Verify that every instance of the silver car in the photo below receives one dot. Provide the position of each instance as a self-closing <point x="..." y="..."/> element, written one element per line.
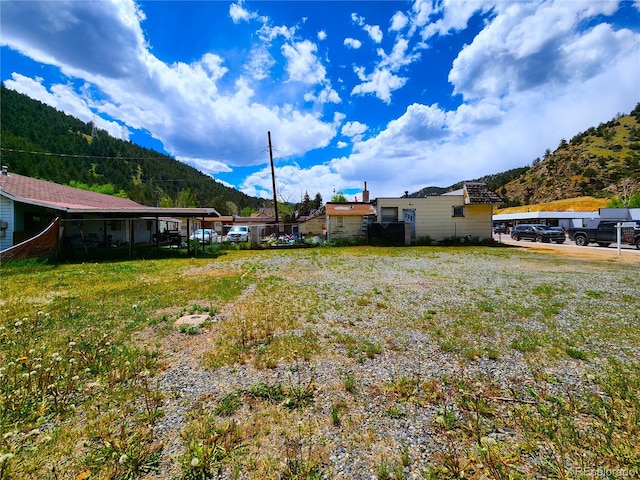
<point x="205" y="235"/>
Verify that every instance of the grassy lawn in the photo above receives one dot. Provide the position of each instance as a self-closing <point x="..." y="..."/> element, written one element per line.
<point x="425" y="362"/>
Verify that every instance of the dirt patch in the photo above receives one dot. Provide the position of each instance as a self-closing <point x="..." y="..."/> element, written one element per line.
<point x="628" y="255"/>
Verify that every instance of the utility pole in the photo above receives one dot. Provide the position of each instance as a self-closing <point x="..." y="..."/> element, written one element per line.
<point x="273" y="180"/>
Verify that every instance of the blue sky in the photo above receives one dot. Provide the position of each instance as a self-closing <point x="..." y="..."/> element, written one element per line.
<point x="401" y="95"/>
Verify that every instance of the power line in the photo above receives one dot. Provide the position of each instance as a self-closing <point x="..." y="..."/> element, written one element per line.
<point x="75" y="155"/>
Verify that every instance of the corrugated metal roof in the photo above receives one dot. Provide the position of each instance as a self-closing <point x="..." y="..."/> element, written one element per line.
<point x="350" y="208"/>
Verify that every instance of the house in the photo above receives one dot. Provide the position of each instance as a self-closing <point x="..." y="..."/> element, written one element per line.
<point x="86" y="219"/>
<point x="314" y="224"/>
<point x="348" y="220"/>
<point x="464" y="213"/>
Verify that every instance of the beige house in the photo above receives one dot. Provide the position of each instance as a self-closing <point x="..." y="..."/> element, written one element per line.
<point x="348" y="221"/>
<point x="313" y="225"/>
<point x="464" y="213"/>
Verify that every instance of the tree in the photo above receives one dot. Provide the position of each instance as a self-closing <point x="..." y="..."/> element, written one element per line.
<point x="220" y="204"/>
<point x="232" y="208"/>
<point x="246" y="212"/>
<point x="305" y="207"/>
<point x="339" y="198"/>
<point x="317" y="201"/>
<point x="165" y="201"/>
<point x="186" y="199"/>
<point x="627" y="189"/>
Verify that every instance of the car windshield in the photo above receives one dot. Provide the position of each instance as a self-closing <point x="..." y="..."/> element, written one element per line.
<point x="238" y="229"/>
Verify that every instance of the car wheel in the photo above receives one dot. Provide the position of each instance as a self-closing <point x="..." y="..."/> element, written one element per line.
<point x="516" y="238"/>
<point x="638" y="243"/>
<point x="539" y="239"/>
<point x="581" y="241"/>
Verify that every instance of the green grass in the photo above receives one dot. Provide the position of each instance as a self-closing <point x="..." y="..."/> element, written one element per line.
<point x="83" y="346"/>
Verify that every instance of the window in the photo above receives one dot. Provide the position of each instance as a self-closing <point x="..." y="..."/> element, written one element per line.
<point x="457" y="211"/>
<point x="340" y="221"/>
<point x="389" y="214"/>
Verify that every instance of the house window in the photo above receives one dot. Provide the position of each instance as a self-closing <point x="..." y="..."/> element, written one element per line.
<point x="340" y="221"/>
<point x="457" y="211"/>
<point x="389" y="214"/>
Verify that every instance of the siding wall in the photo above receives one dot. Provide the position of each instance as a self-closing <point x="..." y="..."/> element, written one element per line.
<point x="7" y="215"/>
<point x="434" y="216"/>
<point x="351" y="228"/>
<point x="312" y="227"/>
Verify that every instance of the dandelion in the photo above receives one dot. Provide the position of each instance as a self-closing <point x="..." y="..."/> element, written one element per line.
<point x="25" y="375"/>
<point x="31" y="351"/>
<point x="195" y="461"/>
<point x="123" y="459"/>
<point x="72" y="344"/>
<point x="488" y="441"/>
<point x="17" y="324"/>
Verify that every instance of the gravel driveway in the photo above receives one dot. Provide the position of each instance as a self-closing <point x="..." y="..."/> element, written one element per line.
<point x="422" y="358"/>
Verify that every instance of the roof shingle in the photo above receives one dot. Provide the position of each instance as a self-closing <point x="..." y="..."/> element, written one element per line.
<point x="58" y="196"/>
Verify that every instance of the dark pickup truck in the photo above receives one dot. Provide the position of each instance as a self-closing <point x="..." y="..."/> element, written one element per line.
<point x="605" y="234"/>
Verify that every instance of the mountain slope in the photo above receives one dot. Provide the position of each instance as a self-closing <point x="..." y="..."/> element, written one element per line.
<point x="602" y="162"/>
<point x="41" y="142"/>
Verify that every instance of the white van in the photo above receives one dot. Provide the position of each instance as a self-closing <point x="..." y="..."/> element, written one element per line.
<point x="239" y="233"/>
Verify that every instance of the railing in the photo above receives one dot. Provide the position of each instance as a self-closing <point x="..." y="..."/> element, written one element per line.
<point x="42" y="245"/>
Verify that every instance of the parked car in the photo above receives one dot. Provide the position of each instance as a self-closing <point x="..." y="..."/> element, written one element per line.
<point x="500" y="228"/>
<point x="238" y="233"/>
<point x="538" y="233"/>
<point x="205" y="235"/>
<point x="606" y="233"/>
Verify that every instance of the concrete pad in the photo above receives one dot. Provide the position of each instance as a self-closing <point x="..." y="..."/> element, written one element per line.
<point x="193" y="320"/>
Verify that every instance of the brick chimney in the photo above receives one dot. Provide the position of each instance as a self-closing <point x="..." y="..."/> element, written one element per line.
<point x="365" y="194"/>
